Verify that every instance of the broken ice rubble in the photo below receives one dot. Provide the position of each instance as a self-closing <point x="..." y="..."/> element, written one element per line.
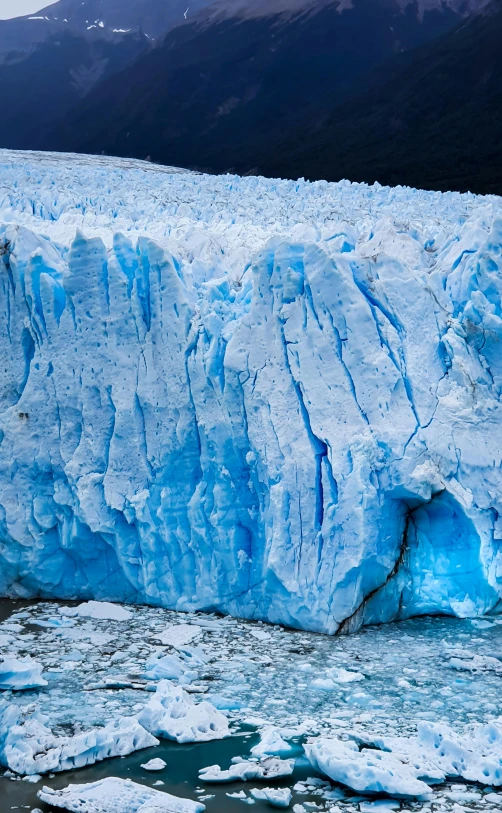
<point x="28" y="747"/>
<point x="171" y="713"/>
<point x="114" y="795"/>
<point x="20" y="673"/>
<point x="274" y="398"/>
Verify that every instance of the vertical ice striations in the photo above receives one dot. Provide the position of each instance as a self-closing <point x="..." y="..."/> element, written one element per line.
<point x="306" y="431"/>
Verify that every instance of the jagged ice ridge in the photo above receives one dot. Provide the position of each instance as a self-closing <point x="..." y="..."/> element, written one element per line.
<point x="275" y="399"/>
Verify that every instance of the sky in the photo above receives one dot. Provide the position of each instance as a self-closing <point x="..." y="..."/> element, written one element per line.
<point x="16" y="8"/>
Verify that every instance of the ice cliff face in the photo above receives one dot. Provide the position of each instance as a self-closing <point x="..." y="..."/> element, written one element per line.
<point x="279" y="400"/>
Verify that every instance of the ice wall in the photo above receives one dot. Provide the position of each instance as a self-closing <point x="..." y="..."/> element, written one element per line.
<point x="286" y="405"/>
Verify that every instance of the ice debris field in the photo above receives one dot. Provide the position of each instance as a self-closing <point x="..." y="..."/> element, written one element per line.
<point x="274" y="400"/>
<point x="404" y="716"/>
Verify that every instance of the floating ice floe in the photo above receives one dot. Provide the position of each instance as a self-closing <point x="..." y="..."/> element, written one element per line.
<point x="260" y="634"/>
<point x="405" y="767"/>
<point x="475" y="756"/>
<point x="246" y="769"/>
<point x="21" y="673"/>
<point x="172" y="714"/>
<point x="277" y="797"/>
<point x="335" y="677"/>
<point x="469" y="662"/>
<point x="179" y="635"/>
<point x="271" y="744"/>
<point x="28" y="747"/>
<point x="100" y="610"/>
<point x="366" y="771"/>
<point x="113" y="795"/>
<point x="156" y="764"/>
<point x="165" y="667"/>
<point x="344" y="675"/>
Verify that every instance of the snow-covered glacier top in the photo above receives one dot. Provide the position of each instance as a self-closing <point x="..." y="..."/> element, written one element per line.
<point x="271" y="398"/>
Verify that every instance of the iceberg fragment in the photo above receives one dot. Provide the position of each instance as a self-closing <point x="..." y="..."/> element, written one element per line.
<point x="156" y="764"/>
<point x="277" y="797"/>
<point x="112" y="795"/>
<point x="101" y="610"/>
<point x="244" y="770"/>
<point x="271" y="744"/>
<point x="404" y="767"/>
<point x="28" y="747"/>
<point x="366" y="771"/>
<point x="172" y="714"/>
<point x="21" y="673"/>
<point x="165" y="667"/>
<point x="475" y="756"/>
<point x="179" y="635"/>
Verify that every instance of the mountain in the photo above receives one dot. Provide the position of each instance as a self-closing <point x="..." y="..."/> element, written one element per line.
<point x="107" y="18"/>
<point x="50" y="60"/>
<point x="432" y="118"/>
<point x="41" y="88"/>
<point x="221" y="91"/>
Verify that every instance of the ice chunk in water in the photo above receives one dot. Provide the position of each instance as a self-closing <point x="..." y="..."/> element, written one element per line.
<point x="21" y="673"/>
<point x="179" y="635"/>
<point x="366" y="771"/>
<point x="100" y="610"/>
<point x="168" y="667"/>
<point x="113" y="795"/>
<point x="154" y="765"/>
<point x="31" y="748"/>
<point x="407" y="763"/>
<point x="172" y="714"/>
<point x="243" y="770"/>
<point x="475" y="756"/>
<point x="271" y="744"/>
<point x="277" y="797"/>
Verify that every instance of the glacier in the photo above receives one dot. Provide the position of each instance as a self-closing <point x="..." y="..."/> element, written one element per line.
<point x="272" y="399"/>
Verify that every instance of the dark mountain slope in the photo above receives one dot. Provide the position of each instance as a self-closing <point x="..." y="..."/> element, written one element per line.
<point x="221" y="92"/>
<point x="153" y="17"/>
<point x="432" y="119"/>
<point x="43" y="87"/>
<point x="107" y="19"/>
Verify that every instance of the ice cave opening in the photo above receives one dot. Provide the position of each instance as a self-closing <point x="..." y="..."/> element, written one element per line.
<point x="441" y="569"/>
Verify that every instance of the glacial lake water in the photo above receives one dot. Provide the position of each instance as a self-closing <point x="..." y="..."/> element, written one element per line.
<point x="261" y="674"/>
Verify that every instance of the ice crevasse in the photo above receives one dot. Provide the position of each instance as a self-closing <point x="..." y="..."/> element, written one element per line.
<point x="273" y="399"/>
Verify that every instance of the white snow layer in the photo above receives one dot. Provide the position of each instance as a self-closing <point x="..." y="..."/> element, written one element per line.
<point x="113" y="795"/>
<point x="276" y="399"/>
<point x="28" y="747"/>
<point x="172" y="714"/>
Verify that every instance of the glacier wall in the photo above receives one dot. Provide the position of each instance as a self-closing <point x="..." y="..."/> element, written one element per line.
<point x="272" y="399"/>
